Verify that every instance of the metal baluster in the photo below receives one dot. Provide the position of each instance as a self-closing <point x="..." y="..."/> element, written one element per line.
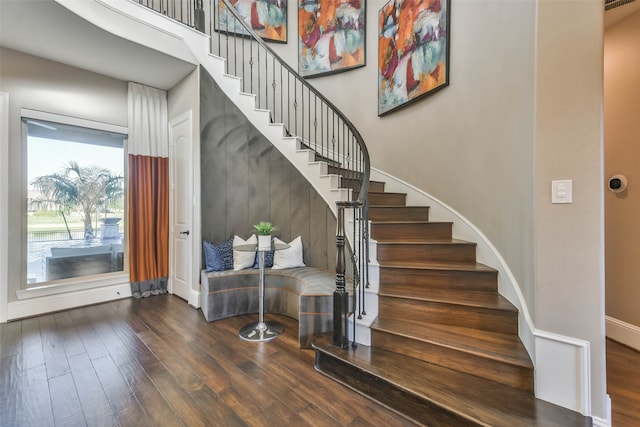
<point x="281" y="96"/>
<point x="258" y="77"/>
<point x="315" y="123"/>
<point x="251" y="67"/>
<point x="322" y="104"/>
<point x="273" y="62"/>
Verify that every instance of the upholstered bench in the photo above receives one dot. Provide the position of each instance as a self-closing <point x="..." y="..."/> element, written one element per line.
<point x="303" y="293"/>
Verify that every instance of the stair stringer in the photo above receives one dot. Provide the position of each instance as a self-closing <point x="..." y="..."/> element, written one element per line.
<point x="139" y="24"/>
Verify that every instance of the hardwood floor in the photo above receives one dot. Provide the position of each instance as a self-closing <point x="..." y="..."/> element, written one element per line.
<point x="157" y="362"/>
<point x="623" y="384"/>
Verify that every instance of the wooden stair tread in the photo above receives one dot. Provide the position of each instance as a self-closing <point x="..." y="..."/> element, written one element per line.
<point x="384" y="192"/>
<point x="392" y="222"/>
<point x="505" y="348"/>
<point x="445" y="266"/>
<point x="468" y="298"/>
<point x="475" y="400"/>
<point x="397" y="206"/>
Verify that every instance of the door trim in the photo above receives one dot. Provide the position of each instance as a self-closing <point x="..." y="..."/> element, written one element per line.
<point x="193" y="291"/>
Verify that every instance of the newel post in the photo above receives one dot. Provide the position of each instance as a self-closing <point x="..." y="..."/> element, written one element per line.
<point x="340" y="295"/>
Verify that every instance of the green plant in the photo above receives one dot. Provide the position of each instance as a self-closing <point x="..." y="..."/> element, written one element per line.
<point x="264" y="228"/>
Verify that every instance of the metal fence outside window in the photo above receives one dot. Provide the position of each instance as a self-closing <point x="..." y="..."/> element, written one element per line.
<point x="56" y="235"/>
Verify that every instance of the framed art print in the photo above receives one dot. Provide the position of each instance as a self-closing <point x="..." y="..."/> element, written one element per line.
<point x="413" y="51"/>
<point x="268" y="18"/>
<point x="331" y="36"/>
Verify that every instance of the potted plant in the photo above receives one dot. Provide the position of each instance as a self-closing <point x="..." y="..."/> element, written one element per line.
<point x="264" y="230"/>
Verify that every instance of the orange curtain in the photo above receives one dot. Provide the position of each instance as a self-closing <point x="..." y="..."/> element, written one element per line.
<point x="148" y="224"/>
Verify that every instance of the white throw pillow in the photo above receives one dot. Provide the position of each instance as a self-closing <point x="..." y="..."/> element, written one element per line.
<point x="288" y="258"/>
<point x="243" y="259"/>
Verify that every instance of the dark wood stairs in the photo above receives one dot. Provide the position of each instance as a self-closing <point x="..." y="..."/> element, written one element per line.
<point x="444" y="348"/>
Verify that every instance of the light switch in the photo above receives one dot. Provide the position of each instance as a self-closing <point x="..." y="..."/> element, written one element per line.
<point x="561" y="191"/>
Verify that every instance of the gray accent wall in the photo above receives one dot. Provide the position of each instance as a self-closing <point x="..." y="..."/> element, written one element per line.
<point x="245" y="179"/>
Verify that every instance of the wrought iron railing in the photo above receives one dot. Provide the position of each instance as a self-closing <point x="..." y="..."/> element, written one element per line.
<point x="306" y="114"/>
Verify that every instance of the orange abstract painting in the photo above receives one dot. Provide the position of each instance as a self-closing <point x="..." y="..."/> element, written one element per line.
<point x="413" y="51"/>
<point x="268" y="18"/>
<point x="331" y="36"/>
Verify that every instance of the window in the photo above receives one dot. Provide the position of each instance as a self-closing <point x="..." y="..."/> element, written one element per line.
<point x="75" y="201"/>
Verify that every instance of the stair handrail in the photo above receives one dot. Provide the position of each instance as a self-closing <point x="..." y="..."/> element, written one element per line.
<point x="345" y="149"/>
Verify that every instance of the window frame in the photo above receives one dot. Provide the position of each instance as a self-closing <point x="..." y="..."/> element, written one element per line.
<point x="77" y="283"/>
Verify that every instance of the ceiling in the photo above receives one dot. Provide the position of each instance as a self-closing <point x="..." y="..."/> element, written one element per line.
<point x="45" y="29"/>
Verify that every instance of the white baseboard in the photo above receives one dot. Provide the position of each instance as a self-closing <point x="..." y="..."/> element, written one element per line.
<point x="51" y="303"/>
<point x="601" y="422"/>
<point x="194" y="299"/>
<point x="622" y="332"/>
<point x="563" y="371"/>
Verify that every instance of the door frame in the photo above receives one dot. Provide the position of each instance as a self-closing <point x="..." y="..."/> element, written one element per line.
<point x="194" y="294"/>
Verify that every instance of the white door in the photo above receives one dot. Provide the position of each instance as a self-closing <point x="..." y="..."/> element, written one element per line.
<point x="181" y="204"/>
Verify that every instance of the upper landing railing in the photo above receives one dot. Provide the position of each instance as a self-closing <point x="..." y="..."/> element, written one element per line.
<point x="306" y="114"/>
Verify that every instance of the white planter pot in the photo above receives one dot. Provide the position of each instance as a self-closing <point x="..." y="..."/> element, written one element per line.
<point x="264" y="242"/>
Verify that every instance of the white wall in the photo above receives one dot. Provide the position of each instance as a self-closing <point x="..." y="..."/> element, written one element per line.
<point x="569" y="257"/>
<point x="43" y="85"/>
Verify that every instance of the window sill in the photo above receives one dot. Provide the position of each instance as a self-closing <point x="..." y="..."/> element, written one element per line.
<point x="72" y="285"/>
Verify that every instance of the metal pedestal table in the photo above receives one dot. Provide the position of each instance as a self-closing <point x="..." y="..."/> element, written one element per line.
<point x="261" y="330"/>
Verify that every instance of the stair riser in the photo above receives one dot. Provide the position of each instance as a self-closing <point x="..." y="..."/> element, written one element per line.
<point x="421" y="411"/>
<point x="502" y="372"/>
<point x="426" y="252"/>
<point x="385" y="199"/>
<point x="355" y="185"/>
<point x="349" y="174"/>
<point x="406" y="213"/>
<point x="411" y="231"/>
<point x="411" y="281"/>
<point x="450" y="314"/>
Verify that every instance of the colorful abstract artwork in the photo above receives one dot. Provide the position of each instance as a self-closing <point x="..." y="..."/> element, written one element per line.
<point x="331" y="36"/>
<point x="268" y="18"/>
<point x="413" y="51"/>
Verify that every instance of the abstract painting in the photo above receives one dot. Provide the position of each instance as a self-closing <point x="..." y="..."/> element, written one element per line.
<point x="331" y="36"/>
<point x="413" y="51"/>
<point x="268" y="18"/>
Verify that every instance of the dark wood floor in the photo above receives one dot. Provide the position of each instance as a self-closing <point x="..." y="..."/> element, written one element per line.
<point x="623" y="384"/>
<point x="156" y="362"/>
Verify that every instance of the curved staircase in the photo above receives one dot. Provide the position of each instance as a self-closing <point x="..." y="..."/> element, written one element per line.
<point x="444" y="347"/>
